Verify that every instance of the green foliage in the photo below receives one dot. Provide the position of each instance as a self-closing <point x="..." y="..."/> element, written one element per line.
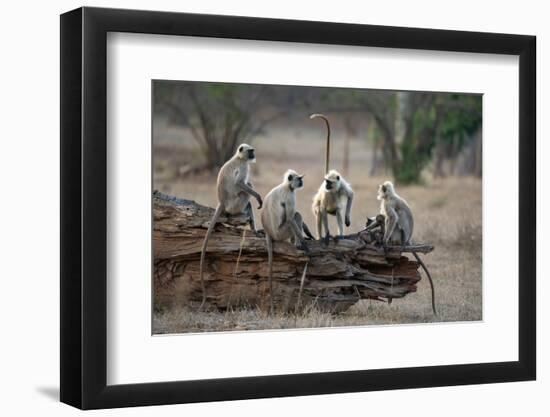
<point x="461" y="120"/>
<point x="429" y="119"/>
<point x="416" y="147"/>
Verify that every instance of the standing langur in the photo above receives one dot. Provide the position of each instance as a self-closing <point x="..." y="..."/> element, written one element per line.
<point x="399" y="224"/>
<point x="334" y="197"/>
<point x="234" y="191"/>
<point x="281" y="221"/>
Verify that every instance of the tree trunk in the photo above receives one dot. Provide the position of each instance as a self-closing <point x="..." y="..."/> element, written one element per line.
<point x="337" y="276"/>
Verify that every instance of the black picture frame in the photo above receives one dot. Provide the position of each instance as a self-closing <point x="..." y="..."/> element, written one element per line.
<point x="84" y="207"/>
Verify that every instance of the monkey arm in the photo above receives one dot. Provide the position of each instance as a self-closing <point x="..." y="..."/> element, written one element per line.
<point x="391" y="222"/>
<point x="249" y="190"/>
<point x="349" y="194"/>
<point x="283" y="221"/>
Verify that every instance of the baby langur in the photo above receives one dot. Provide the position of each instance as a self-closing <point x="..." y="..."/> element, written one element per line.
<point x="234" y="191"/>
<point x="281" y="221"/>
<point x="376" y="229"/>
<point x="399" y="221"/>
<point x="334" y="197"/>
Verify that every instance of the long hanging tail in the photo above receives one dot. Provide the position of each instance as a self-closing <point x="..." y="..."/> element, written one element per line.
<point x="213" y="222"/>
<point x="240" y="253"/>
<point x="430" y="278"/>
<point x="299" y="301"/>
<point x="269" y="245"/>
<point x="327" y="155"/>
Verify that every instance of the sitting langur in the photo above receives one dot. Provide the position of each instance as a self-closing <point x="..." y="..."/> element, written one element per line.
<point x="281" y="221"/>
<point x="399" y="221"/>
<point x="399" y="224"/>
<point x="234" y="191"/>
<point x="334" y="196"/>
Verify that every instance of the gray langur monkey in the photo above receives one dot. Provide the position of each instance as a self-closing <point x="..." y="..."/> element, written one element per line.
<point x="334" y="194"/>
<point x="281" y="221"/>
<point x="399" y="224"/>
<point x="234" y="191"/>
<point x="334" y="197"/>
<point x="376" y="228"/>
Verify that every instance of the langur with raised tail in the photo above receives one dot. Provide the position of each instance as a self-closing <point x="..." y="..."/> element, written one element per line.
<point x="335" y="196"/>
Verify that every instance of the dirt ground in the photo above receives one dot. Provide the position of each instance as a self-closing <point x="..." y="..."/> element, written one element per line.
<point x="448" y="214"/>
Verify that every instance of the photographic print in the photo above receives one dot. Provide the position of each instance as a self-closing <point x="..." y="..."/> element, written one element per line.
<point x="281" y="207"/>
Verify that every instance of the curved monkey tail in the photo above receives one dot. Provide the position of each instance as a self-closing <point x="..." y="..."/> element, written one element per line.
<point x="213" y="222"/>
<point x="269" y="246"/>
<point x="430" y="278"/>
<point x="327" y="156"/>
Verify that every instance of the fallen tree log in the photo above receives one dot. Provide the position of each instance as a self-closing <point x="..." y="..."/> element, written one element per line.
<point x="338" y="275"/>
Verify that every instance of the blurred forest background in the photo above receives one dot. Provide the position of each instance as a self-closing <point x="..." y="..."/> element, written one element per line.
<point x="407" y="132"/>
<point x="429" y="144"/>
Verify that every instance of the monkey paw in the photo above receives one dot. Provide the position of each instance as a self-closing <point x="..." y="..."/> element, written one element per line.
<point x="326" y="240"/>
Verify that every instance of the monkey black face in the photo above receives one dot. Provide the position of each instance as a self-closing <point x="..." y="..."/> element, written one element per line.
<point x="251" y="155"/>
<point x="332" y="181"/>
<point x="294" y="180"/>
<point x="246" y="152"/>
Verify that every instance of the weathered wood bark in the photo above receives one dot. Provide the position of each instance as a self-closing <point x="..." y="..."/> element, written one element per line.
<point x="337" y="275"/>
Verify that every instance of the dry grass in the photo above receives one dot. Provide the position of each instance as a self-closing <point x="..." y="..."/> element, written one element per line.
<point x="448" y="214"/>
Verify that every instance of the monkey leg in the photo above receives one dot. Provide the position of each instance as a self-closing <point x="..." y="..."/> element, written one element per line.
<point x="324" y="216"/>
<point x="340" y="222"/>
<point x="215" y="218"/>
<point x="269" y="245"/>
<point x="250" y="213"/>
<point x="297" y="229"/>
<point x="303" y="226"/>
<point x="299" y="221"/>
<point x="319" y="225"/>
